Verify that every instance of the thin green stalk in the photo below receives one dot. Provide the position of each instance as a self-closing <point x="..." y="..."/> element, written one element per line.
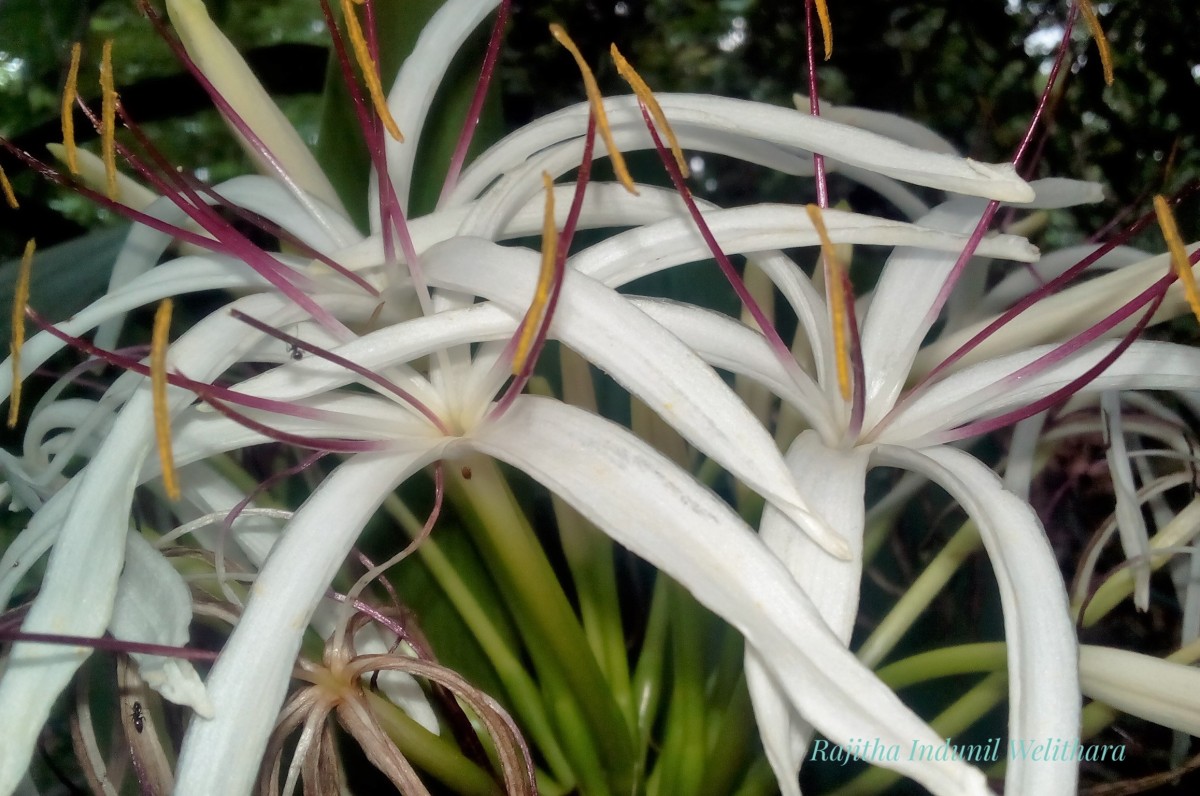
<point x="946" y="662"/>
<point x="965" y="711"/>
<point x="682" y="760"/>
<point x="650" y="671"/>
<point x="589" y="555"/>
<point x="430" y="752"/>
<point x="522" y="691"/>
<point x="547" y="623"/>
<point x="920" y="594"/>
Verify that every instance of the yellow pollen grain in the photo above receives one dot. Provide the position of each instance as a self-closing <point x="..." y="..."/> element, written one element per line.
<point x="108" y="120"/>
<point x="158" y="387"/>
<point x="837" y="300"/>
<point x="826" y="27"/>
<point x="20" y="300"/>
<point x="70" y="91"/>
<point x="362" y="54"/>
<point x="1093" y="24"/>
<point x="597" y="103"/>
<point x="6" y="187"/>
<point x="643" y="92"/>
<point x="541" y="293"/>
<point x="1179" y="255"/>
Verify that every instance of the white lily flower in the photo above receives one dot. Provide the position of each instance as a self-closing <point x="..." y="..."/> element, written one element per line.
<point x="453" y="410"/>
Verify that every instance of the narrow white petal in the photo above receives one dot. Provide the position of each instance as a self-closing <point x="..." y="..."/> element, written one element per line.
<point x="1151" y="688"/>
<point x="154" y="606"/>
<point x="248" y="683"/>
<point x="412" y="93"/>
<point x="224" y="67"/>
<point x="607" y="330"/>
<point x="669" y="519"/>
<point x="985" y="389"/>
<point x="1042" y="649"/>
<point x="765" y="227"/>
<point x="836" y="479"/>
<point x="1131" y="524"/>
<point x="900" y="315"/>
<point x="1065" y="314"/>
<point x="759" y="121"/>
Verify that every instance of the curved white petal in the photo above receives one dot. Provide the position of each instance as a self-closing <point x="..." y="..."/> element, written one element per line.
<point x="1158" y="690"/>
<point x="646" y="359"/>
<point x="223" y="754"/>
<point x="1064" y="314"/>
<point x="651" y="248"/>
<point x="224" y="67"/>
<point x="901" y="307"/>
<point x="154" y="606"/>
<point x="988" y="388"/>
<point x="759" y="121"/>
<point x="836" y="479"/>
<point x="412" y="93"/>
<point x="669" y="519"/>
<point x="1042" y="649"/>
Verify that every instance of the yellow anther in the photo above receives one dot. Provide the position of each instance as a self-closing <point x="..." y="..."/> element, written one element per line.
<point x="826" y="27"/>
<point x="70" y="91"/>
<point x="158" y="387"/>
<point x="20" y="300"/>
<point x="1179" y="255"/>
<point x="370" y="70"/>
<point x="108" y="120"/>
<point x="835" y="285"/>
<point x="643" y="92"/>
<point x="597" y="103"/>
<point x="7" y="189"/>
<point x="541" y="293"/>
<point x="1093" y="24"/>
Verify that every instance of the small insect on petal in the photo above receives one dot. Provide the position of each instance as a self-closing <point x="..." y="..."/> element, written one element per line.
<point x="20" y="299"/>
<point x="139" y="718"/>
<point x="158" y="385"/>
<point x="1179" y="255"/>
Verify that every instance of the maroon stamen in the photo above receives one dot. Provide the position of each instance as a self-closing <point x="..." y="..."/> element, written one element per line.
<point x="108" y="644"/>
<point x="475" y="110"/>
<point x="814" y="107"/>
<point x="350" y="365"/>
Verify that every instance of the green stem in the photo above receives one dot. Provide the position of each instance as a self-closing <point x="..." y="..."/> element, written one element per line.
<point x="431" y="753"/>
<point x="522" y="691"/>
<point x="965" y="711"/>
<point x="547" y="623"/>
<point x="920" y="594"/>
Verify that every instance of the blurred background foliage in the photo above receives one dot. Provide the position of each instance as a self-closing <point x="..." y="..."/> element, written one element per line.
<point x="971" y="71"/>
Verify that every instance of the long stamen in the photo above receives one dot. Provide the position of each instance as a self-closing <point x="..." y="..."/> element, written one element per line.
<point x="476" y="108"/>
<point x="1093" y="24"/>
<point x="1179" y="255"/>
<point x="108" y="117"/>
<point x="541" y="293"/>
<point x="826" y="27"/>
<point x="158" y="385"/>
<point x="20" y="299"/>
<point x="838" y="300"/>
<point x="6" y="188"/>
<point x="70" y="91"/>
<point x="597" y="103"/>
<point x="646" y="96"/>
<point x="370" y="70"/>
